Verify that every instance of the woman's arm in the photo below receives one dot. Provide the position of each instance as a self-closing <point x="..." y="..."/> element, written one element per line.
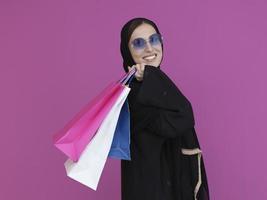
<point x="170" y="113"/>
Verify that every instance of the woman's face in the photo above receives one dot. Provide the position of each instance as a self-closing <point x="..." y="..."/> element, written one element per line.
<point x="150" y="54"/>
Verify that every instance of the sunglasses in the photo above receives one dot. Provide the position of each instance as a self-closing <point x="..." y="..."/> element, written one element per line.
<point x="140" y="43"/>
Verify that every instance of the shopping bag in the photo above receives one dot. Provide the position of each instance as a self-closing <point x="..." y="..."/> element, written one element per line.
<point x="120" y="148"/>
<point x="90" y="165"/>
<point x="74" y="137"/>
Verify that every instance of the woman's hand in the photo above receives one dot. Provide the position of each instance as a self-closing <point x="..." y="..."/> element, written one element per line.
<point x="139" y="71"/>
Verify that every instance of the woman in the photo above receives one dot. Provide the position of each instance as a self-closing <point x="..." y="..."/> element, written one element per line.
<point x="166" y="162"/>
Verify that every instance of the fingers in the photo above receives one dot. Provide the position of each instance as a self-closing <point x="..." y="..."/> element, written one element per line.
<point x="142" y="66"/>
<point x="139" y="71"/>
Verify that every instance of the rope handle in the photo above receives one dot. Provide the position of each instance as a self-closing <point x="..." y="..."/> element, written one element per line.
<point x="127" y="78"/>
<point x="194" y="152"/>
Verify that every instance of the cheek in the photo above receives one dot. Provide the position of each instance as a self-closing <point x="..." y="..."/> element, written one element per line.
<point x="134" y="56"/>
<point x="137" y="57"/>
<point x="159" y="59"/>
<point x="158" y="49"/>
<point x="160" y="53"/>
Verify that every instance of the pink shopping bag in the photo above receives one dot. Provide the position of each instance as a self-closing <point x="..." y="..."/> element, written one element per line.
<point x="91" y="163"/>
<point x="76" y="134"/>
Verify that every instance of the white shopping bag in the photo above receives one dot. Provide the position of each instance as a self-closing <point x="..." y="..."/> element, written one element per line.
<point x="90" y="165"/>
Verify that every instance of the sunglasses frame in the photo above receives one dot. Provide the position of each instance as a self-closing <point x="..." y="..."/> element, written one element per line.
<point x="146" y="41"/>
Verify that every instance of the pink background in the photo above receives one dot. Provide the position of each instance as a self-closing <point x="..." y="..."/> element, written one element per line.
<point x="56" y="55"/>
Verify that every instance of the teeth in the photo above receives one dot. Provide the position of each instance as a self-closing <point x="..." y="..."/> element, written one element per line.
<point x="150" y="57"/>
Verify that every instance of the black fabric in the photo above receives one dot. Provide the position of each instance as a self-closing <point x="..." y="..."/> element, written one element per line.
<point x="162" y="123"/>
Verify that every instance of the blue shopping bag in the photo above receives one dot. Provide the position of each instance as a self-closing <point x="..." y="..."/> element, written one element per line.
<point x="120" y="147"/>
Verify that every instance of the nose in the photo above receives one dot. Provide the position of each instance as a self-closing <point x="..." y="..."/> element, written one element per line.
<point x="148" y="47"/>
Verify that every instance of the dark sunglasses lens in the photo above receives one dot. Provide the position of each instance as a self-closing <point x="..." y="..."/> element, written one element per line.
<point x="155" y="39"/>
<point x="139" y="43"/>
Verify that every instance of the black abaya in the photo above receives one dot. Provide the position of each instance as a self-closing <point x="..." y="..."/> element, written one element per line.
<point x="162" y="125"/>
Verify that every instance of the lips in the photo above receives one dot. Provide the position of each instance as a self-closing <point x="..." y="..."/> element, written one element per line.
<point x="150" y="57"/>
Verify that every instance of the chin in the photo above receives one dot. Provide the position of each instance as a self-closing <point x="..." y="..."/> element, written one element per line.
<point x="154" y="64"/>
<point x="151" y="64"/>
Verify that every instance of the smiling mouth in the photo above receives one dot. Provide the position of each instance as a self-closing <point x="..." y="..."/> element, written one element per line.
<point x="150" y="57"/>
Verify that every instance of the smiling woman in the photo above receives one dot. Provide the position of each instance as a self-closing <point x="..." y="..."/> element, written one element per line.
<point x="166" y="160"/>
<point x="147" y="50"/>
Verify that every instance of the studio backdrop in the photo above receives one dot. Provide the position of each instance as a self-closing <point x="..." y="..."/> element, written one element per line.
<point x="56" y="55"/>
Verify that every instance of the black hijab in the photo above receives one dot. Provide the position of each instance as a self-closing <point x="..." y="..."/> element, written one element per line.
<point x="126" y="33"/>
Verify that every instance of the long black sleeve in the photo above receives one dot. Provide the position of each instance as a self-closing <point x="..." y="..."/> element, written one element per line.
<point x="163" y="107"/>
